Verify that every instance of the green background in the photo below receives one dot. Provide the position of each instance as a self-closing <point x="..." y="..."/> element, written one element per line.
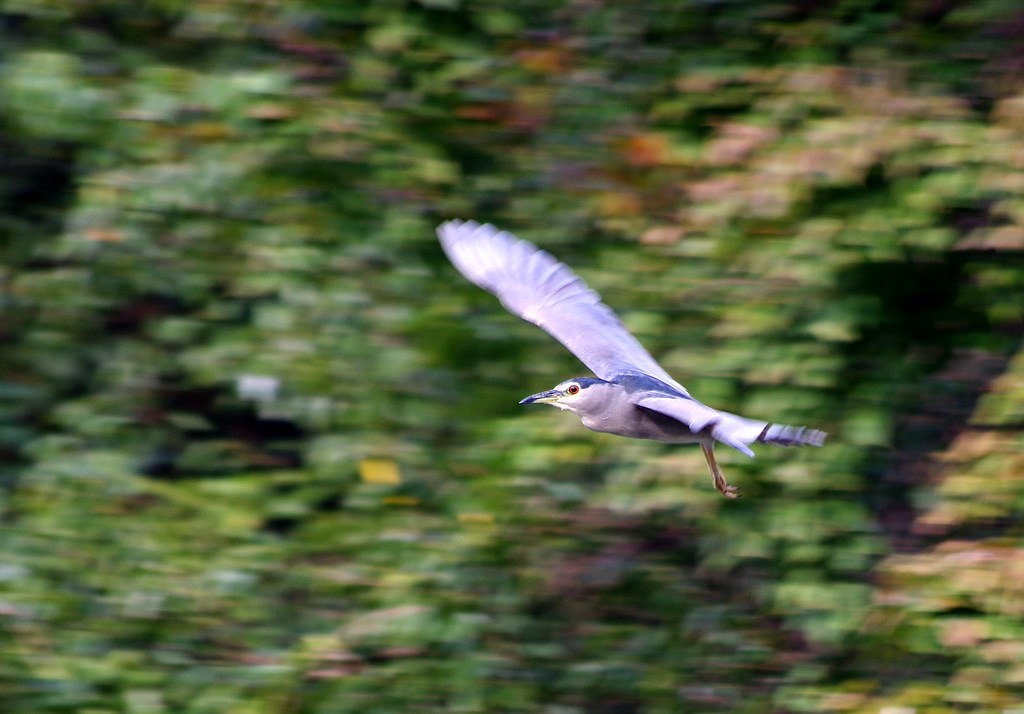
<point x="259" y="443"/>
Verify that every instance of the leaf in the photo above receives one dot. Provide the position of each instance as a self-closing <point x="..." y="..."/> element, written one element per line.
<point x="379" y="471"/>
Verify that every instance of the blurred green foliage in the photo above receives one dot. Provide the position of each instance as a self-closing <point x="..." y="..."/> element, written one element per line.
<point x="259" y="443"/>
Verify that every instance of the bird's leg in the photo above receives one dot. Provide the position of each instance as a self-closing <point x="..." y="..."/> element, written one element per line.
<point x="716" y="474"/>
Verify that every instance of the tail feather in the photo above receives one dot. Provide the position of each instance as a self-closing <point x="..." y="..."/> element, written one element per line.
<point x="785" y="435"/>
<point x="730" y="429"/>
<point x="737" y="432"/>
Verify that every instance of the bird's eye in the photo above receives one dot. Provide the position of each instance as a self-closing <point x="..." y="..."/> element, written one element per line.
<point x="573" y="389"/>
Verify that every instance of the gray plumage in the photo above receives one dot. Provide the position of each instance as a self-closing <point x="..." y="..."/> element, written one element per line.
<point x="632" y="395"/>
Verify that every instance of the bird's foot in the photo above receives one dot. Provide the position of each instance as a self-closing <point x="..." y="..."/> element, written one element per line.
<point x="716" y="473"/>
<point x="726" y="490"/>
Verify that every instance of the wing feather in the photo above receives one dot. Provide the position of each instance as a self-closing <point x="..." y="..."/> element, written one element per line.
<point x="535" y="286"/>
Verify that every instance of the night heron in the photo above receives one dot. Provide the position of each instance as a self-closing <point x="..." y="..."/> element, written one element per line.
<point x="632" y="394"/>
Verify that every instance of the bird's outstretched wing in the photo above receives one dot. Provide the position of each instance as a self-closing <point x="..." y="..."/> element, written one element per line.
<point x="532" y="284"/>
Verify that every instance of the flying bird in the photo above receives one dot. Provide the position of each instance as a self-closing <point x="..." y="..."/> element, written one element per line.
<point x="631" y="394"/>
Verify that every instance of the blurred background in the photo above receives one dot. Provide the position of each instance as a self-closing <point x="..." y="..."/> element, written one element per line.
<point x="260" y="448"/>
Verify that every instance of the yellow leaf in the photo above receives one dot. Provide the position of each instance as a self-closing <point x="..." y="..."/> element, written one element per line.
<point x="382" y="471"/>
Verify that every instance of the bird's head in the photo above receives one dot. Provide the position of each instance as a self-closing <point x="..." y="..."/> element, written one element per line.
<point x="570" y="395"/>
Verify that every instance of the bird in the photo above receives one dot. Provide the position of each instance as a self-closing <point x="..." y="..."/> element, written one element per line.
<point x="631" y="394"/>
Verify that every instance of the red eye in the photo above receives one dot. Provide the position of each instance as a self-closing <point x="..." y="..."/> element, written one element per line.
<point x="573" y="389"/>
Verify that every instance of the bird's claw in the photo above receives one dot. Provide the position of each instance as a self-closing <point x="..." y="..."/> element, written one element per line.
<point x="727" y="490"/>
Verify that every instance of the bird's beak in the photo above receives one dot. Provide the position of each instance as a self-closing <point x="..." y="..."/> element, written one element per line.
<point x="546" y="397"/>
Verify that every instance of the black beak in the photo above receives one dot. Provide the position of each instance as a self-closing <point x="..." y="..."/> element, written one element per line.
<point x="547" y="396"/>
